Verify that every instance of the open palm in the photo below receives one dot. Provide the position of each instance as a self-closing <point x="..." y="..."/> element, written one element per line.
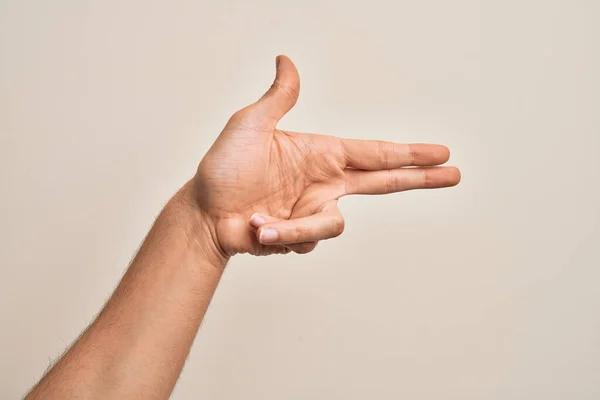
<point x="271" y="191"/>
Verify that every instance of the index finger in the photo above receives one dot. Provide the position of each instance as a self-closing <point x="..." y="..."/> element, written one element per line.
<point x="376" y="155"/>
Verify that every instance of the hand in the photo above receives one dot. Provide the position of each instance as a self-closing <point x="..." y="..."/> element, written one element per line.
<point x="269" y="191"/>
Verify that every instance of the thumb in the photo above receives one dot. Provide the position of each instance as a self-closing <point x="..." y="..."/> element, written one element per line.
<point x="283" y="93"/>
<point x="258" y="220"/>
<point x="326" y="224"/>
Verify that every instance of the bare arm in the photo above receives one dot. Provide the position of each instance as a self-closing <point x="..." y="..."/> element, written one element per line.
<point x="137" y="346"/>
<point x="258" y="190"/>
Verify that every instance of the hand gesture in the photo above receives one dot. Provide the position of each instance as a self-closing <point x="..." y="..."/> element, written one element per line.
<point x="266" y="190"/>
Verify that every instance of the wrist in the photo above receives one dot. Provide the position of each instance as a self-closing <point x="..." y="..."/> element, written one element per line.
<point x="199" y="227"/>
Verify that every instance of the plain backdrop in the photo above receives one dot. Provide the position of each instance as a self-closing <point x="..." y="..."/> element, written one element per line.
<point x="489" y="290"/>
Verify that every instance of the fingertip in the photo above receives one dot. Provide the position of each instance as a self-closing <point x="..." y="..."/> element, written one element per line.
<point x="454" y="176"/>
<point x="282" y="58"/>
<point x="268" y="236"/>
<point x="444" y="153"/>
<point x="257" y="220"/>
<point x="283" y="93"/>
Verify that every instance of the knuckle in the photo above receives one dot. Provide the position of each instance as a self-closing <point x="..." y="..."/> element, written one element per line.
<point x="390" y="182"/>
<point x="383" y="149"/>
<point x="301" y="233"/>
<point x="394" y="182"/>
<point x="411" y="154"/>
<point x="288" y="91"/>
<point x="337" y="226"/>
<point x="304" y="248"/>
<point x="426" y="179"/>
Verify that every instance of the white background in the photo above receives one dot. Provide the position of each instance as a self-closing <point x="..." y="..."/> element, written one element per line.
<point x="489" y="290"/>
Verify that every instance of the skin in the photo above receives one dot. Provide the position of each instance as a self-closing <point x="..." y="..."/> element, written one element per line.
<point x="258" y="190"/>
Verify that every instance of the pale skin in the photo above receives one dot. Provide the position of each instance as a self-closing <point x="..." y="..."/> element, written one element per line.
<point x="258" y="190"/>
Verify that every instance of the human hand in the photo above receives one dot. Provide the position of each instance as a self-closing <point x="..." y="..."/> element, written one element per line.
<point x="266" y="190"/>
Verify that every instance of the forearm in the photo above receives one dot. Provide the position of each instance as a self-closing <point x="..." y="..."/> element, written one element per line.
<point x="137" y="346"/>
<point x="269" y="191"/>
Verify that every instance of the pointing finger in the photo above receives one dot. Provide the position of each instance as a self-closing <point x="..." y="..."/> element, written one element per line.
<point x="398" y="180"/>
<point x="377" y="155"/>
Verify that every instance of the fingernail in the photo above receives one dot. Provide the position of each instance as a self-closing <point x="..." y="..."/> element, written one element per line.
<point x="256" y="220"/>
<point x="268" y="236"/>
